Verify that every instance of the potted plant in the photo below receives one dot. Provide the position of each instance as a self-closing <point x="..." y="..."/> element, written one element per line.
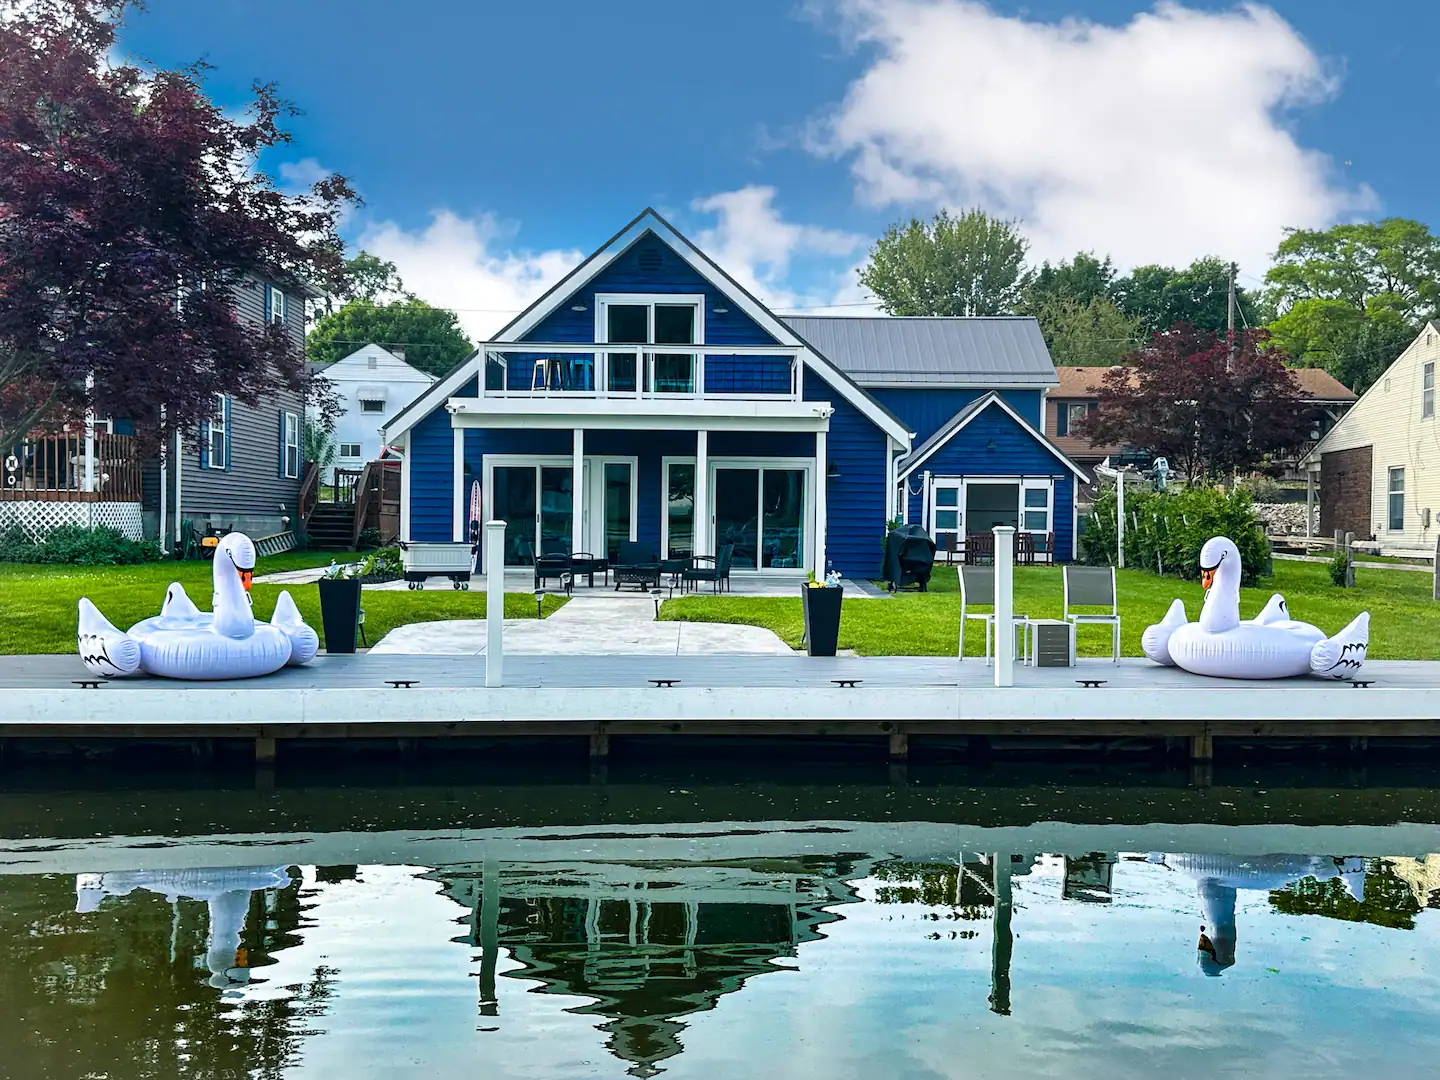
<point x="339" y="609"/>
<point x="820" y="601"/>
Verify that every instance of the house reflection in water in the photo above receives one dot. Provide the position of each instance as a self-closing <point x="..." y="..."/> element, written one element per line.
<point x="648" y="943"/>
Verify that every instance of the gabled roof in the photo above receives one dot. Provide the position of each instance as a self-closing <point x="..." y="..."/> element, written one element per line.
<point x="985" y="351"/>
<point x="952" y="427"/>
<point x="1313" y="384"/>
<point x="1319" y="385"/>
<point x="650" y="222"/>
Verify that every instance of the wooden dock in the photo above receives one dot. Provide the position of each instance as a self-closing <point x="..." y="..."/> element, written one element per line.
<point x="890" y="700"/>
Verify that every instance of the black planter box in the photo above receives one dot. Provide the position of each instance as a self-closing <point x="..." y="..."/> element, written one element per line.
<point x="822" y="619"/>
<point x="340" y="613"/>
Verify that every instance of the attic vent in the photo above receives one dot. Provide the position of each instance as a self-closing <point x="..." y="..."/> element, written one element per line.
<point x="650" y="260"/>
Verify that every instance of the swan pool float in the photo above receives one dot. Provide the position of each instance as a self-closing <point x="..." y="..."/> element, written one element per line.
<point x="183" y="642"/>
<point x="225" y="890"/>
<point x="1270" y="646"/>
<point x="1219" y="877"/>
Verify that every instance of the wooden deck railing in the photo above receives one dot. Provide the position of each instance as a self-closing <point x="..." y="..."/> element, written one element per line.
<point x="309" y="490"/>
<point x="377" y="500"/>
<point x="52" y="468"/>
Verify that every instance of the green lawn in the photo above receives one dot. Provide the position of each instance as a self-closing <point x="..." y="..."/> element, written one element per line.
<point x="1405" y="622"/>
<point x="38" y="603"/>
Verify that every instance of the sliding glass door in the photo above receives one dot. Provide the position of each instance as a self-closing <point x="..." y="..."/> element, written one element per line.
<point x="513" y="501"/>
<point x="761" y="511"/>
<point x="537" y="504"/>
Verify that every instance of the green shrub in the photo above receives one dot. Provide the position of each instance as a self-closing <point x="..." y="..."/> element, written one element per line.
<point x="368" y="538"/>
<point x="1338" y="566"/>
<point x="1165" y="530"/>
<point x="76" y="545"/>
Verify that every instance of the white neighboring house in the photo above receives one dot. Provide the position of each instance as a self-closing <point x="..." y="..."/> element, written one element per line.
<point x="1379" y="467"/>
<point x="373" y="384"/>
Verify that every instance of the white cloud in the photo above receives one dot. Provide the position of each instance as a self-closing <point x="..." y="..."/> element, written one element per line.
<point x="758" y="247"/>
<point x="1157" y="141"/>
<point x="461" y="263"/>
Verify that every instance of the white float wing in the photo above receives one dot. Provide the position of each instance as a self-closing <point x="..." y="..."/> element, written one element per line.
<point x="104" y="650"/>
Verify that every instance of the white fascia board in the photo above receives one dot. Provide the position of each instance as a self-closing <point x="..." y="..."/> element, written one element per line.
<point x="909" y="467"/>
<point x="641" y="414"/>
<point x="438" y="392"/>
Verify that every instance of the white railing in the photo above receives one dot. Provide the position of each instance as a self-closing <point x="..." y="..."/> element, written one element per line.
<point x="661" y="372"/>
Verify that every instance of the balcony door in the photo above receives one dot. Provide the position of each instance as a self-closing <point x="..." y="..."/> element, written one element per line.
<point x="647" y="321"/>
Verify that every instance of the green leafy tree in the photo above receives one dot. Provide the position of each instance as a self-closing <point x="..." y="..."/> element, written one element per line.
<point x="369" y="277"/>
<point x="430" y="337"/>
<point x="970" y="264"/>
<point x="1351" y="297"/>
<point x="1088" y="333"/>
<point x="1080" y="281"/>
<point x="1161" y="296"/>
<point x="317" y="444"/>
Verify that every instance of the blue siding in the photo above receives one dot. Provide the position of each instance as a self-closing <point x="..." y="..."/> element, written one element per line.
<point x="926" y="411"/>
<point x="993" y="444"/>
<point x="855" y="525"/>
<point x="432" y="476"/>
<point x="747" y="374"/>
<point x="649" y="266"/>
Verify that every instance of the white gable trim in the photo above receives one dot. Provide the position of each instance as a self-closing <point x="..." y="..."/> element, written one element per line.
<point x="907" y="466"/>
<point x="698" y="261"/>
<point x="1346" y="422"/>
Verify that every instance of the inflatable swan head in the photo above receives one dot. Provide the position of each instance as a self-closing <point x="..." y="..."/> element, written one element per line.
<point x="1220" y="564"/>
<point x="240" y="550"/>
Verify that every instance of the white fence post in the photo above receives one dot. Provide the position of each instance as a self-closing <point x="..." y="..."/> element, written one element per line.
<point x="1004" y="605"/>
<point x="494" y="603"/>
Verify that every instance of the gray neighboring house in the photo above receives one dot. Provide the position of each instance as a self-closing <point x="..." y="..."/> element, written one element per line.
<point x="243" y="468"/>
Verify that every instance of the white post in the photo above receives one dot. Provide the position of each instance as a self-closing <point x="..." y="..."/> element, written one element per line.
<point x="1004" y="605"/>
<point x="577" y="494"/>
<point x="702" y="493"/>
<point x="494" y="602"/>
<point x="164" y="495"/>
<point x="821" y="504"/>
<point x="179" y="476"/>
<point x="1120" y="519"/>
<point x="1309" y="503"/>
<point x="89" y="451"/>
<point x="405" y="490"/>
<point x="925" y="496"/>
<point x="458" y="468"/>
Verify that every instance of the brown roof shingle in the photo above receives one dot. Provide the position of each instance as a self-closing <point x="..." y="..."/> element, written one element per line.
<point x="1314" y="383"/>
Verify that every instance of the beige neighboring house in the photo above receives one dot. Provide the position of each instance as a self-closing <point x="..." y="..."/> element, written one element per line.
<point x="1378" y="469"/>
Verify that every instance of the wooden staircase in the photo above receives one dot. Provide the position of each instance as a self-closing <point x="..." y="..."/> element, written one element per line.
<point x="331" y="527"/>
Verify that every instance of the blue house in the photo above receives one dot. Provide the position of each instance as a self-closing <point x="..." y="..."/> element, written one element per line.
<point x="648" y="383"/>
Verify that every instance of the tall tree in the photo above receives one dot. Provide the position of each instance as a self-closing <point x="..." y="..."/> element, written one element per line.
<point x="1080" y="280"/>
<point x="369" y="277"/>
<point x="130" y="208"/>
<point x="1182" y="398"/>
<point x="971" y="264"/>
<point x="1161" y="296"/>
<point x="430" y="337"/>
<point x="1088" y="333"/>
<point x="1351" y="297"/>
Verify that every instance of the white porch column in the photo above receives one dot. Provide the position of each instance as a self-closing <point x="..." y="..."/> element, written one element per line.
<point x="889" y="479"/>
<point x="701" y="543"/>
<point x="1309" y="503"/>
<point x="404" y="490"/>
<point x="577" y="494"/>
<point x="821" y="512"/>
<point x="458" y="465"/>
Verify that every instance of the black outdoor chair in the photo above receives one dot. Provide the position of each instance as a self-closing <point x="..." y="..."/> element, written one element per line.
<point x="717" y="572"/>
<point x="637" y="564"/>
<point x="557" y="567"/>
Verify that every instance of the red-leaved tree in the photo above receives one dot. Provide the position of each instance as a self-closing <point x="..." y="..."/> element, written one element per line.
<point x="132" y="211"/>
<point x="1183" y="397"/>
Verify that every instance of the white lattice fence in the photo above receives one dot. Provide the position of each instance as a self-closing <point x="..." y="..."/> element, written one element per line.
<point x="38" y="517"/>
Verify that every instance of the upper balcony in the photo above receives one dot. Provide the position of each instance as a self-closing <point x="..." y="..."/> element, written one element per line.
<point x="674" y="373"/>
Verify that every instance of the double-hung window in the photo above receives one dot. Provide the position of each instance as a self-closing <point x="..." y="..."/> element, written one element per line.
<point x="1069" y="414"/>
<point x="215" y="447"/>
<point x="1427" y="391"/>
<point x="651" y="321"/>
<point x="290" y="444"/>
<point x="349" y="449"/>
<point x="275" y="305"/>
<point x="1397" y="499"/>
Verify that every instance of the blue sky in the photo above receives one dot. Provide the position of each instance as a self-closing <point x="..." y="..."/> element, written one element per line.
<point x="494" y="144"/>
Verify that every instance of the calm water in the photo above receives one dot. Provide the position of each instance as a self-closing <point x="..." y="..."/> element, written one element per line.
<point x="715" y="930"/>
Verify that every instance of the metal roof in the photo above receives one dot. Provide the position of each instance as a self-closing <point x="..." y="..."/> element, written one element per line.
<point x="984" y="351"/>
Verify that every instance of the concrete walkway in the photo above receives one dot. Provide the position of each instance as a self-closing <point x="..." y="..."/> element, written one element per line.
<point x="591" y="624"/>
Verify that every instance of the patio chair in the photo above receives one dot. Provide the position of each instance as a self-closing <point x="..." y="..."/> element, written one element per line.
<point x="717" y="572"/>
<point x="950" y="546"/>
<point x="637" y="564"/>
<point x="558" y="567"/>
<point x="977" y="589"/>
<point x="1042" y="547"/>
<point x="979" y="548"/>
<point x="1093" y="587"/>
<point x="583" y="562"/>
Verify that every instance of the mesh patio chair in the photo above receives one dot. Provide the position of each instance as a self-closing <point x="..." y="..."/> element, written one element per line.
<point x="977" y="589"/>
<point x="1093" y="587"/>
<point x="712" y="568"/>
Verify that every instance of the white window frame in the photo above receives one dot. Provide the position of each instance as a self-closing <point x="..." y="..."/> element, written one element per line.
<point x="1427" y="390"/>
<point x="594" y="465"/>
<point x="948" y="483"/>
<point x="290" y="445"/>
<point x="359" y="451"/>
<point x="1047" y="484"/>
<point x="665" y="464"/>
<point x="279" y="305"/>
<point x="603" y="303"/>
<point x="795" y="464"/>
<point x="219" y="462"/>
<point x="963" y="483"/>
<point x="372" y="401"/>
<point x="1390" y="492"/>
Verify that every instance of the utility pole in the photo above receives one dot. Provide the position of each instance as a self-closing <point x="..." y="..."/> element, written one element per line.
<point x="1230" y="321"/>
